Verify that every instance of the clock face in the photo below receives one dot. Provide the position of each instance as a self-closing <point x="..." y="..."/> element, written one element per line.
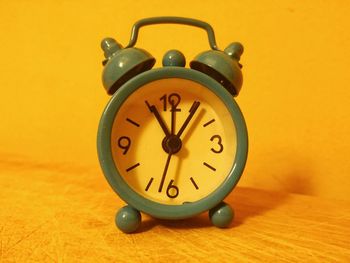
<point x="173" y="141"/>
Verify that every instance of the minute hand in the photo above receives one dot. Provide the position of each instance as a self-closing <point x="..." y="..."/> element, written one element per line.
<point x="192" y="111"/>
<point x="154" y="110"/>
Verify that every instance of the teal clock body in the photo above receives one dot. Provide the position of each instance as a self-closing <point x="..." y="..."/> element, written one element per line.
<point x="172" y="142"/>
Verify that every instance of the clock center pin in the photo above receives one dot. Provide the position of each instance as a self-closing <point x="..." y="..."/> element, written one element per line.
<point x="172" y="144"/>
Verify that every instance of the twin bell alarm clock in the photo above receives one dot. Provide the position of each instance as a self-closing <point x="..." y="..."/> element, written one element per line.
<point x="172" y="142"/>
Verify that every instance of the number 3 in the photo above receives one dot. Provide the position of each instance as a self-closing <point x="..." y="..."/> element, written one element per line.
<point x="219" y="142"/>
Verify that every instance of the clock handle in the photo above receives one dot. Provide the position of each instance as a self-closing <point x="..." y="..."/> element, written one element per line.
<point x="172" y="20"/>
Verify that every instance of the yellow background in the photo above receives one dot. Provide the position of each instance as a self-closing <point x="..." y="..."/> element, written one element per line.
<point x="295" y="95"/>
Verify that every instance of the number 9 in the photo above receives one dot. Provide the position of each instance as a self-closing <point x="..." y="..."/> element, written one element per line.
<point x="124" y="143"/>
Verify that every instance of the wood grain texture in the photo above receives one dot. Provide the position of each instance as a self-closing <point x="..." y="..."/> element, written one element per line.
<point x="63" y="213"/>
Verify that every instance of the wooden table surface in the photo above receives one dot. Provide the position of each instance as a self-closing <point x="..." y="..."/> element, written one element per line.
<point x="64" y="213"/>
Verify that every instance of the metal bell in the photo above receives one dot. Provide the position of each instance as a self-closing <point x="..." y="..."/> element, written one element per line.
<point x="122" y="64"/>
<point x="223" y="66"/>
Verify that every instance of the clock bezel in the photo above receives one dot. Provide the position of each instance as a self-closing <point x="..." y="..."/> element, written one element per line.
<point x="117" y="182"/>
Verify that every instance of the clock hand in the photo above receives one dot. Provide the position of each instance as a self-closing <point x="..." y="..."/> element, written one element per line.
<point x="154" y="110"/>
<point x="174" y="143"/>
<point x="173" y="112"/>
<point x="165" y="171"/>
<point x="192" y="111"/>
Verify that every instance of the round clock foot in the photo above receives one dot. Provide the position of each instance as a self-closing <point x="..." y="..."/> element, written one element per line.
<point x="221" y="215"/>
<point x="128" y="219"/>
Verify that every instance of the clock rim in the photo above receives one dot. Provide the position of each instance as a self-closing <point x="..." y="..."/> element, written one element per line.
<point x="117" y="182"/>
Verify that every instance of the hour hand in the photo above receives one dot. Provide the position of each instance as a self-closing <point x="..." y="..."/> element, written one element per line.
<point x="154" y="110"/>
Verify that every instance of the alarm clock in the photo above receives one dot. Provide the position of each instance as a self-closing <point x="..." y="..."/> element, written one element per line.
<point x="172" y="142"/>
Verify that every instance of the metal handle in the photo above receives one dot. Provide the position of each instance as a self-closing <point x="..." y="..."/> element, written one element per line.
<point x="172" y="20"/>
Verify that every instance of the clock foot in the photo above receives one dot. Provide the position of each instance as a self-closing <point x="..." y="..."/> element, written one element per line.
<point x="221" y="215"/>
<point x="128" y="219"/>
